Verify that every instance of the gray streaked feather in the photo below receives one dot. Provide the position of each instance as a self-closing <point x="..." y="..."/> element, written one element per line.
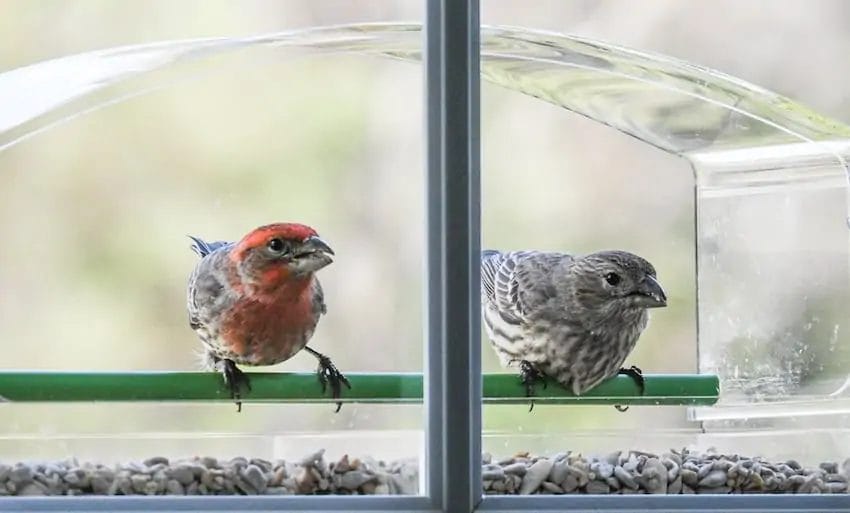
<point x="204" y="248"/>
<point x="517" y="283"/>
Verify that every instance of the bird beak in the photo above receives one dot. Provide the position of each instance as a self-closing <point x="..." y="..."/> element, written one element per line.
<point x="651" y="293"/>
<point x="315" y="245"/>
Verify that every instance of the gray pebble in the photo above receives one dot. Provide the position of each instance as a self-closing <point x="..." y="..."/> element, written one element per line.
<point x="151" y="488"/>
<point x="486" y="458"/>
<point x="354" y="479"/>
<point x="278" y="490"/>
<point x="54" y="469"/>
<point x="514" y="483"/>
<point x="238" y="462"/>
<point x="156" y="460"/>
<point x="714" y="490"/>
<point x="53" y="483"/>
<point x="631" y="491"/>
<point x="713" y="479"/>
<point x="209" y="462"/>
<point x="174" y="487"/>
<point x="139" y="482"/>
<point x="836" y="487"/>
<point x="343" y="465"/>
<point x="313" y="459"/>
<point x="197" y="469"/>
<point x="597" y="488"/>
<point x="559" y="472"/>
<point x="689" y="477"/>
<point x="552" y="488"/>
<point x="602" y="469"/>
<point x="812" y="484"/>
<point x="77" y="478"/>
<point x="493" y="475"/>
<point x="704" y="470"/>
<point x="631" y="464"/>
<point x="265" y="465"/>
<point x="534" y="476"/>
<point x="100" y="486"/>
<point x="515" y="468"/>
<point x="613" y="458"/>
<point x="255" y="478"/>
<point x="672" y="456"/>
<point x="625" y="478"/>
<point x="830" y="467"/>
<point x="5" y="471"/>
<point x="675" y="486"/>
<point x="183" y="474"/>
<point x="672" y="468"/>
<point x="20" y="475"/>
<point x="722" y="464"/>
<point x="690" y="465"/>
<point x="570" y="483"/>
<point x="756" y="483"/>
<point x="33" y="488"/>
<point x="580" y="473"/>
<point x="654" y="476"/>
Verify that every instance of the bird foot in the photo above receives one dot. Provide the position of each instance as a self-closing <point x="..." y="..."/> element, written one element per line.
<point x="637" y="375"/>
<point x="235" y="379"/>
<point x="330" y="375"/>
<point x="530" y="376"/>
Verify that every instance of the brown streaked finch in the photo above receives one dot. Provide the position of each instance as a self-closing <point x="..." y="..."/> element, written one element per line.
<point x="572" y="318"/>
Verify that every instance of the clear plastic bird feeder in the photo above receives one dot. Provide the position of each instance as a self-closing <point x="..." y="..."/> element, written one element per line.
<point x="772" y="239"/>
<point x="771" y="189"/>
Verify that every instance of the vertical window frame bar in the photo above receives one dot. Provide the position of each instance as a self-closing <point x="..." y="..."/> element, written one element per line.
<point x="453" y="367"/>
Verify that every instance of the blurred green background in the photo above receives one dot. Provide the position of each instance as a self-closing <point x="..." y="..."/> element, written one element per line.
<point x="95" y="212"/>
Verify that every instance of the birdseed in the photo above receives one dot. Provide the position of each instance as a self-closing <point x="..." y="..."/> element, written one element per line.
<point x="632" y="472"/>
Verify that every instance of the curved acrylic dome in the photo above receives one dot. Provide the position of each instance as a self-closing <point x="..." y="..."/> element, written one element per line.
<point x="678" y="107"/>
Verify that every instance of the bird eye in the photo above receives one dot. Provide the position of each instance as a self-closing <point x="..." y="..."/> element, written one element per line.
<point x="276" y="245"/>
<point x="612" y="278"/>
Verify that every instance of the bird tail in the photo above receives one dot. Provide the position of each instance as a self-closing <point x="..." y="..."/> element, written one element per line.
<point x="204" y="248"/>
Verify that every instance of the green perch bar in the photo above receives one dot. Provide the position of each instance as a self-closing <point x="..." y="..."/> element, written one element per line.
<point x="390" y="388"/>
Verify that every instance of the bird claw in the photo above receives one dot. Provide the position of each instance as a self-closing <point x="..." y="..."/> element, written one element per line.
<point x="530" y="376"/>
<point x="235" y="379"/>
<point x="636" y="374"/>
<point x="330" y="375"/>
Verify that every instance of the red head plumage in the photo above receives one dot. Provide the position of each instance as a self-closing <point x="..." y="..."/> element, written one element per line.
<point x="259" y="236"/>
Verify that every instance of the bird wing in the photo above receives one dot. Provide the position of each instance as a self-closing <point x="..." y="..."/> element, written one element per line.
<point x="517" y="282"/>
<point x="500" y="283"/>
<point x="207" y="294"/>
<point x="319" y="297"/>
<point x="490" y="262"/>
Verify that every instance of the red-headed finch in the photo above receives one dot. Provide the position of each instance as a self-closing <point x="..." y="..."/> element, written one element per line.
<point x="257" y="302"/>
